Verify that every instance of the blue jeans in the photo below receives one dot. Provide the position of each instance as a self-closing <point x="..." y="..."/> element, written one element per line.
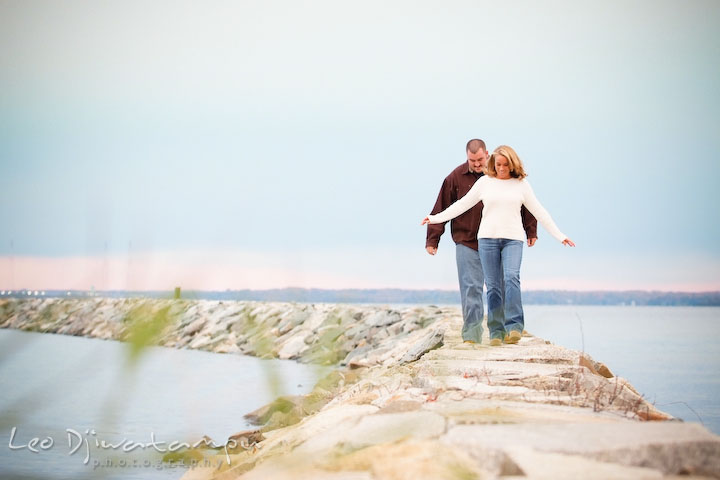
<point x="501" y="259"/>
<point x="470" y="276"/>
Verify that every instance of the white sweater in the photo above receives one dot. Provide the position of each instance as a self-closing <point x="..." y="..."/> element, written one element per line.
<point x="502" y="200"/>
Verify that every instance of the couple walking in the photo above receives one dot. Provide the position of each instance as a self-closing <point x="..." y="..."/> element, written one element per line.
<point x="493" y="210"/>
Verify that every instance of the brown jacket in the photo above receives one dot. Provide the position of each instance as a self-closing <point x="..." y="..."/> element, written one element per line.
<point x="464" y="228"/>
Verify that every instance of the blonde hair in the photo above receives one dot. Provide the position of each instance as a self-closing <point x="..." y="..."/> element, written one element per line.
<point x="516" y="166"/>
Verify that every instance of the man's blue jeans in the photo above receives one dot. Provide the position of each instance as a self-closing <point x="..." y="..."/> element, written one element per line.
<point x="501" y="259"/>
<point x="470" y="276"/>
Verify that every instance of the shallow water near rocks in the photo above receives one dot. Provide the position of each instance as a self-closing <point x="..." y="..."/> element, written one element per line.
<point x="63" y="388"/>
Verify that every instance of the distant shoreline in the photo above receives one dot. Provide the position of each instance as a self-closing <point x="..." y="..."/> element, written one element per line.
<point x="398" y="296"/>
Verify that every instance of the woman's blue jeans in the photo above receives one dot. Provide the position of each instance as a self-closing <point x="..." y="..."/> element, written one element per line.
<point x="501" y="259"/>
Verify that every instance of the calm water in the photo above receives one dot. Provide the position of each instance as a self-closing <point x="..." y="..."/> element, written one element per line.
<point x="52" y="383"/>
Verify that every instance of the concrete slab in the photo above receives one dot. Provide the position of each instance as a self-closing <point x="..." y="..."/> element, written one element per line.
<point x="670" y="447"/>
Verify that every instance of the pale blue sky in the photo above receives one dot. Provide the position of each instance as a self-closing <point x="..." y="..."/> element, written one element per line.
<point x="313" y="136"/>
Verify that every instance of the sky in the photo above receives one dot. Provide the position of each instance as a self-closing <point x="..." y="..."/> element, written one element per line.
<point x="265" y="144"/>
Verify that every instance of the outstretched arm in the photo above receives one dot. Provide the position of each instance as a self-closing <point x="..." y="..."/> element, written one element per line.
<point x="542" y="215"/>
<point x="461" y="206"/>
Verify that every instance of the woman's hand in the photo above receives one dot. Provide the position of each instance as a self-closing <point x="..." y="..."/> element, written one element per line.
<point x="568" y="242"/>
<point x="425" y="220"/>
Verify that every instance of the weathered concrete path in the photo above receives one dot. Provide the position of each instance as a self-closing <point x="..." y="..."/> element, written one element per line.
<point x="532" y="410"/>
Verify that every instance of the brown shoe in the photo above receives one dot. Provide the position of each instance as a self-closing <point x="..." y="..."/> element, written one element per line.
<point x="513" y="337"/>
<point x="495" y="342"/>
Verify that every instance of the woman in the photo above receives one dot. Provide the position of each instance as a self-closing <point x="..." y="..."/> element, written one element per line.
<point x="501" y="236"/>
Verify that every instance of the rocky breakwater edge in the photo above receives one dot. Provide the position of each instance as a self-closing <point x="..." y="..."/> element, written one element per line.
<point x="409" y="399"/>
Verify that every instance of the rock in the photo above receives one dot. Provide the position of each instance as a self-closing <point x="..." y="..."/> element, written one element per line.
<point x="315" y="319"/>
<point x="357" y="353"/>
<point x="217" y="329"/>
<point x="382" y="318"/>
<point x="373" y="356"/>
<point x="328" y="335"/>
<point x="291" y="320"/>
<point x="383" y="334"/>
<point x="377" y="429"/>
<point x="395" y="329"/>
<point x="322" y="354"/>
<point x="398" y="406"/>
<point x="427" y="342"/>
<point x="408" y="461"/>
<point x="534" y="464"/>
<point x="670" y="447"/>
<point x="200" y="342"/>
<point x="194" y="327"/>
<point x="245" y="440"/>
<point x="324" y="423"/>
<point x="292" y="348"/>
<point x="603" y="370"/>
<point x="281" y="404"/>
<point x="300" y="469"/>
<point x="229" y="344"/>
<point x="595" y="367"/>
<point x="358" y="329"/>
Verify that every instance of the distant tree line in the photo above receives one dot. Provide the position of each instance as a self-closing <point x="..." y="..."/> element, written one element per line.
<point x="398" y="296"/>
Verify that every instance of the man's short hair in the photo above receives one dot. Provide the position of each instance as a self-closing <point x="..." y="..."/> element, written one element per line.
<point x="474" y="145"/>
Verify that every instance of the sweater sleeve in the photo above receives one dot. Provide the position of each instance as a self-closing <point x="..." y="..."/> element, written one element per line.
<point x="468" y="201"/>
<point x="533" y="205"/>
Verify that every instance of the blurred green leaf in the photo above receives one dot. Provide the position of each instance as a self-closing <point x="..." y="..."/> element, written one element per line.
<point x="144" y="328"/>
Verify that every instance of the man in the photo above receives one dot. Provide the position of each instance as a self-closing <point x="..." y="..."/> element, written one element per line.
<point x="464" y="229"/>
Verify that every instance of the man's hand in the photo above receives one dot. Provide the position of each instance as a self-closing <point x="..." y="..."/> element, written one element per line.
<point x="431" y="250"/>
<point x="531" y="241"/>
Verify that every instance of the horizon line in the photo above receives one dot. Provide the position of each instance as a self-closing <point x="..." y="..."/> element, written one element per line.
<point x="228" y="290"/>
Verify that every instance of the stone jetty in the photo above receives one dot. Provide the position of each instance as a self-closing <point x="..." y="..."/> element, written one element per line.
<point x="409" y="399"/>
<point x="326" y="334"/>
